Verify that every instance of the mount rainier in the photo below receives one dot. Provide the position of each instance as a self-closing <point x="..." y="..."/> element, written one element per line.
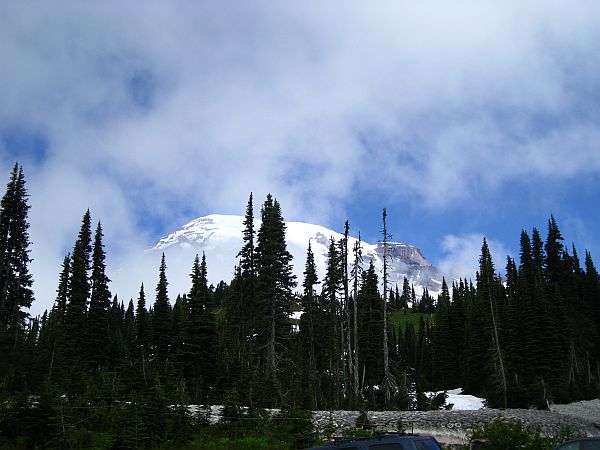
<point x="220" y="238"/>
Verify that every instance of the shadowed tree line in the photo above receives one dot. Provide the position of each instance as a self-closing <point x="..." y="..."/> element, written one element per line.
<point x="96" y="364"/>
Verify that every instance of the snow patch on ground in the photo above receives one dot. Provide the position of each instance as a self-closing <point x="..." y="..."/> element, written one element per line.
<point x="462" y="402"/>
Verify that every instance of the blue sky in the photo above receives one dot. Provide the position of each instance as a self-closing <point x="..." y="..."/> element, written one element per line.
<point x="463" y="119"/>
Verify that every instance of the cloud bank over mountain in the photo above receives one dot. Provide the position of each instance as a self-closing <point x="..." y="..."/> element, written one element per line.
<point x="152" y="116"/>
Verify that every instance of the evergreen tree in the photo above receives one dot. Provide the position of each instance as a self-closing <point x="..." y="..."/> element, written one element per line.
<point x="96" y="336"/>
<point x="332" y="311"/>
<point x="443" y="344"/>
<point x="129" y="330"/>
<point x="406" y="293"/>
<point x="426" y="303"/>
<point x="161" y="326"/>
<point x="200" y="335"/>
<point x="233" y="364"/>
<point x="275" y="282"/>
<point x="592" y="283"/>
<point x="117" y="347"/>
<point x="511" y="319"/>
<point x="537" y="255"/>
<point x="179" y="321"/>
<point x="527" y="349"/>
<point x="247" y="253"/>
<point x="457" y="318"/>
<point x="488" y="338"/>
<point x="309" y="303"/>
<point x="370" y="307"/>
<point x="558" y="333"/>
<point x="554" y="250"/>
<point x="15" y="279"/>
<point x="78" y="290"/>
<point x="141" y="330"/>
<point x="62" y="292"/>
<point x="423" y="363"/>
<point x="410" y="347"/>
<point x="53" y="329"/>
<point x="591" y="298"/>
<point x="247" y="300"/>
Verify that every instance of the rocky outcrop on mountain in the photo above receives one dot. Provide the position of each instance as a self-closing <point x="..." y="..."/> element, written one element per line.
<point x="408" y="261"/>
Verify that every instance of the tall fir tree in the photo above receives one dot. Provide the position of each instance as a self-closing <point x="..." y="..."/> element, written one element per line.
<point x="234" y="367"/>
<point x="246" y="307"/>
<point x="331" y="305"/>
<point x="537" y="256"/>
<point x="443" y="342"/>
<point x="558" y="330"/>
<point x="308" y="324"/>
<point x="97" y="336"/>
<point x="529" y="327"/>
<point x="275" y="283"/>
<point x="370" y="309"/>
<point x="457" y="318"/>
<point x="161" y="326"/>
<point x="54" y="327"/>
<point x="200" y="335"/>
<point x="62" y="292"/>
<point x="129" y="330"/>
<point x="554" y="248"/>
<point x="142" y="331"/>
<point x="487" y="303"/>
<point x="15" y="280"/>
<point x="78" y="290"/>
<point x="405" y="297"/>
<point x="591" y="296"/>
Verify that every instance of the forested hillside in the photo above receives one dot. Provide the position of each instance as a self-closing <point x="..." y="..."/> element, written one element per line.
<point x="104" y="364"/>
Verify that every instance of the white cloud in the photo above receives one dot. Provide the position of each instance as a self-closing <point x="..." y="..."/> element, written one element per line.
<point x="171" y="111"/>
<point x="462" y="253"/>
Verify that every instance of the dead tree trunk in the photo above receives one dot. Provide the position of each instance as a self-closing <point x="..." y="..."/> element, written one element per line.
<point x="355" y="275"/>
<point x="388" y="380"/>
<point x="347" y="305"/>
<point x="502" y="373"/>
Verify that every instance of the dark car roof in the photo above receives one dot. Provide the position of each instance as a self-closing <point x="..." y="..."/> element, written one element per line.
<point x="580" y="440"/>
<point x="365" y="442"/>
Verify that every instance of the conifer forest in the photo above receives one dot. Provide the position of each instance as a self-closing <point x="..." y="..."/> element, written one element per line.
<point x="96" y="364"/>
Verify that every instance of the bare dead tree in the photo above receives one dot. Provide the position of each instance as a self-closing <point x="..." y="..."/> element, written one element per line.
<point x="389" y="384"/>
<point x="347" y="303"/>
<point x="497" y="350"/>
<point x="356" y="270"/>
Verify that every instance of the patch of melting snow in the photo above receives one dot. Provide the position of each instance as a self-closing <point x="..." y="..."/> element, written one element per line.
<point x="462" y="402"/>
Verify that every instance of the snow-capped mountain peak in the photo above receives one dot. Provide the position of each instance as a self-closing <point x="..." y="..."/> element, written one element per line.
<point x="220" y="238"/>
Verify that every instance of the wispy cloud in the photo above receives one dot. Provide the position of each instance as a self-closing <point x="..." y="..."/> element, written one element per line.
<point x="462" y="255"/>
